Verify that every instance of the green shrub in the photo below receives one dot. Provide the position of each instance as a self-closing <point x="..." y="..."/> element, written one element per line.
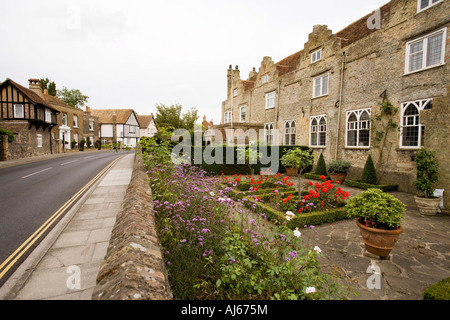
<point x="315" y="176"/>
<point x="362" y="185"/>
<point x="427" y="172"/>
<point x="339" y="166"/>
<point x="438" y="291"/>
<point x="321" y="166"/>
<point x="369" y="174"/>
<point x="10" y="134"/>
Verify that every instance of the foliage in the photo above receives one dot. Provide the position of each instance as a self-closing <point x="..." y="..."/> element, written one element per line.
<point x="438" y="291"/>
<point x="98" y="144"/>
<point x="81" y="145"/>
<point x="321" y="168"/>
<point x="250" y="156"/>
<point x="369" y="174"/>
<point x="339" y="166"/>
<point x="73" y="144"/>
<point x="170" y="116"/>
<point x="88" y="142"/>
<point x="49" y="85"/>
<point x="376" y="209"/>
<point x="9" y="133"/>
<point x="362" y="185"/>
<point x="315" y="176"/>
<point x="427" y="172"/>
<point x="297" y="158"/>
<point x="73" y="98"/>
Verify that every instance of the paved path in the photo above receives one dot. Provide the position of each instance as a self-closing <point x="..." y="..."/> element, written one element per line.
<point x="65" y="265"/>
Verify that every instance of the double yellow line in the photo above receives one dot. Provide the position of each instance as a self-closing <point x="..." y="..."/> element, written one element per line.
<point x="12" y="259"/>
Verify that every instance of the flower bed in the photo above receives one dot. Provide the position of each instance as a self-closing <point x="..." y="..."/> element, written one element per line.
<point x="362" y="185"/>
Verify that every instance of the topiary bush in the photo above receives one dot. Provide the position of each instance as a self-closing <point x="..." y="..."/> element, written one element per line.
<point x="321" y="166"/>
<point x="369" y="174"/>
<point x="438" y="291"/>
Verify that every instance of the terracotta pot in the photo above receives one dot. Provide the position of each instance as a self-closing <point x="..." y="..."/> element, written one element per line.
<point x="293" y="172"/>
<point x="427" y="206"/>
<point x="337" y="177"/>
<point x="378" y="241"/>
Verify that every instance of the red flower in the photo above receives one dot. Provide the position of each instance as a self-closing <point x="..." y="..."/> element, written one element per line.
<point x="310" y="183"/>
<point x="322" y="177"/>
<point x="300" y="210"/>
<point x="325" y="190"/>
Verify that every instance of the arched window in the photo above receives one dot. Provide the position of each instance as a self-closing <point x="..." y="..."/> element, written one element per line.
<point x="318" y="131"/>
<point x="268" y="133"/>
<point x="411" y="130"/>
<point x="358" y="128"/>
<point x="289" y="132"/>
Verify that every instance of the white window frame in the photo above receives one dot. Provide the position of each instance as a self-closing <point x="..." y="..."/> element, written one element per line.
<point x="131" y="129"/>
<point x="319" y="130"/>
<point x="75" y="121"/>
<point x="358" y="125"/>
<point x="320" y="82"/>
<point x="425" y="51"/>
<point x="265" y="78"/>
<point x="91" y="125"/>
<point x="270" y="100"/>
<point x="19" y="111"/>
<point x="430" y="4"/>
<point x="268" y="132"/>
<point x="48" y="115"/>
<point x="316" y="56"/>
<point x="420" y="105"/>
<point x="290" y="132"/>
<point x="64" y="119"/>
<point x="39" y="140"/>
<point x="227" y="117"/>
<point x="235" y="92"/>
<point x="75" y="138"/>
<point x="243" y="108"/>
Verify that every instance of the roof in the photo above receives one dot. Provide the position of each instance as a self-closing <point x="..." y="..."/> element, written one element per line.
<point x="106" y="115"/>
<point x="248" y="84"/>
<point x="56" y="101"/>
<point x="14" y="127"/>
<point x="144" y="121"/>
<point x="288" y="64"/>
<point x="30" y="94"/>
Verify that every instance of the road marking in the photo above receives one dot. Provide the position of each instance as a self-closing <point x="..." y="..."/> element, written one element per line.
<point x="12" y="259"/>
<point x="36" y="173"/>
<point x="63" y="164"/>
<point x="88" y="157"/>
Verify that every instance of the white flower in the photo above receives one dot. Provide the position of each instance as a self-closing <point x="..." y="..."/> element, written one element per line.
<point x="288" y="218"/>
<point x="317" y="249"/>
<point x="212" y="194"/>
<point x="290" y="213"/>
<point x="297" y="233"/>
<point x="310" y="290"/>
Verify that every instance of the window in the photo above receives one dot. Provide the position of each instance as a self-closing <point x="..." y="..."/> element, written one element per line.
<point x="411" y="131"/>
<point x="318" y="131"/>
<point x="48" y="115"/>
<point x="426" y="52"/>
<point x="358" y="128"/>
<point x="320" y="86"/>
<point x="227" y="117"/>
<point x="235" y="92"/>
<point x="91" y="125"/>
<point x="289" y="132"/>
<point x="64" y="119"/>
<point x="268" y="133"/>
<point x="265" y="78"/>
<point x="39" y="140"/>
<point x="270" y="100"/>
<point x="243" y="110"/>
<point x="132" y="129"/>
<point x="75" y="121"/>
<point x="424" y="4"/>
<point x="316" y="55"/>
<point x="75" y="138"/>
<point x="18" y="111"/>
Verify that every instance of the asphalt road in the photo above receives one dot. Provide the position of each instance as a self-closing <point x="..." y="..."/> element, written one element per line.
<point x="31" y="193"/>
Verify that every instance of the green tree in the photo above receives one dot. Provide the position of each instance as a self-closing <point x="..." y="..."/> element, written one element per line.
<point x="321" y="166"/>
<point x="49" y="85"/>
<point x="171" y="116"/>
<point x="73" y="97"/>
<point x="369" y="174"/>
<point x="427" y="172"/>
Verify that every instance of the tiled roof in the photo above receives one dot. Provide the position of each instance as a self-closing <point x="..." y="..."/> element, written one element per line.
<point x="56" y="101"/>
<point x="14" y="127"/>
<point x="144" y="121"/>
<point x="106" y="115"/>
<point x="248" y="85"/>
<point x="288" y="64"/>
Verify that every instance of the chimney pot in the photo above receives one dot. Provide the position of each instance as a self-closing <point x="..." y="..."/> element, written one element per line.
<point x="237" y="68"/>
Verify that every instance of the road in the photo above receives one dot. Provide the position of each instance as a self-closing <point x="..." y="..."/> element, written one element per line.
<point x="32" y="193"/>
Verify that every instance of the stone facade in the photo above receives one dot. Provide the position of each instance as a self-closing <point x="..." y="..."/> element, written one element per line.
<point x="91" y="127"/>
<point x="338" y="76"/>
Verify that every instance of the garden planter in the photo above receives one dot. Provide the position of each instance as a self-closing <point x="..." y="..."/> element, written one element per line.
<point x="378" y="241"/>
<point x="337" y="177"/>
<point x="293" y="172"/>
<point x="427" y="206"/>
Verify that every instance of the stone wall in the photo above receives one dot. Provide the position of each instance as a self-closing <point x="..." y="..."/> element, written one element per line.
<point x="133" y="267"/>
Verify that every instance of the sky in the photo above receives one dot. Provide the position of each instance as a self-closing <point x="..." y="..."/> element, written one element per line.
<point x="137" y="54"/>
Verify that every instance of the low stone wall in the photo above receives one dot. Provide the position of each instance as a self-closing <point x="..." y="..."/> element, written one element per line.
<point x="133" y="267"/>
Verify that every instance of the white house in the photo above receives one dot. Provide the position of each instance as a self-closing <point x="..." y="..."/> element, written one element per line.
<point x="147" y="125"/>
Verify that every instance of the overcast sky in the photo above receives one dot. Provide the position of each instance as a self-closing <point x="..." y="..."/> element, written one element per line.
<point x="136" y="54"/>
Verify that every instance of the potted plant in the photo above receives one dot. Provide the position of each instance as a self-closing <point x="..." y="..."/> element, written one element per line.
<point x="379" y="219"/>
<point x="427" y="176"/>
<point x="338" y="169"/>
<point x="296" y="159"/>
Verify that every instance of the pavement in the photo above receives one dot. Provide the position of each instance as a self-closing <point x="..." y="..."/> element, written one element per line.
<point x="65" y="264"/>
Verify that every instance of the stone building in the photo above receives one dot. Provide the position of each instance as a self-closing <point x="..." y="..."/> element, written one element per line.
<point x="91" y="127"/>
<point x="327" y="96"/>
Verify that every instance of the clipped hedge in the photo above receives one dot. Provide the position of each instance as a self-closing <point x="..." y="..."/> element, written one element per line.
<point x="362" y="185"/>
<point x="438" y="291"/>
<point x="9" y="133"/>
<point x="315" y="176"/>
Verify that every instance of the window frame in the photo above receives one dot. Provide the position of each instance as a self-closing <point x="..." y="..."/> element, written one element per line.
<point x="48" y="115"/>
<point x="265" y="78"/>
<point x="268" y="132"/>
<point x="318" y="130"/>
<point x="227" y="117"/>
<point x="321" y="77"/>
<point x="22" y="107"/>
<point x="235" y="92"/>
<point x="39" y="140"/>
<point x="420" y="104"/>
<point x="268" y="98"/>
<point x="75" y="121"/>
<point x="244" y="107"/>
<point x="358" y="113"/>
<point x="425" y="51"/>
<point x="430" y="4"/>
<point x="314" y="53"/>
<point x="289" y="136"/>
<point x="91" y="125"/>
<point x="64" y="119"/>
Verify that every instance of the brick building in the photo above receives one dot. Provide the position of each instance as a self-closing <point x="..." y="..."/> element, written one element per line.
<point x="327" y="95"/>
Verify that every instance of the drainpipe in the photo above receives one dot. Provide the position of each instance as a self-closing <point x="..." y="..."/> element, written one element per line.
<point x="340" y="102"/>
<point x="278" y="109"/>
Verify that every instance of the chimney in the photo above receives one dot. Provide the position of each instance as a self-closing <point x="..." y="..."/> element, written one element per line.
<point x="88" y="109"/>
<point x="252" y="73"/>
<point x="35" y="86"/>
<point x="46" y="91"/>
<point x="204" y="118"/>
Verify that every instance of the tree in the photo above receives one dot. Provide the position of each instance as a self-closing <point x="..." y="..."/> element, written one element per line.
<point x="369" y="174"/>
<point x="172" y="117"/>
<point x="321" y="166"/>
<point x="46" y="84"/>
<point x="73" y="97"/>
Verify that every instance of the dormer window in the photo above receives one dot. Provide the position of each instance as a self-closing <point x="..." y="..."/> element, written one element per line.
<point x="316" y="56"/>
